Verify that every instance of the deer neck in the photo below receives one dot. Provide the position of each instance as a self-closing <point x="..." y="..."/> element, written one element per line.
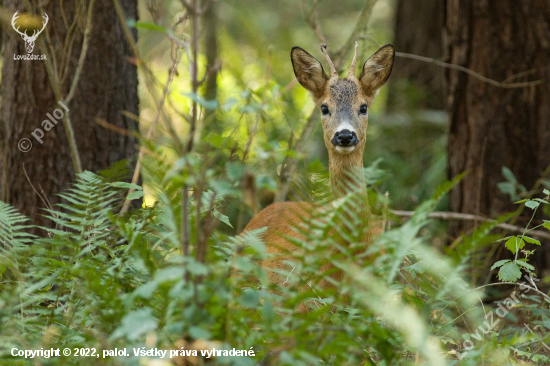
<point x="346" y="173"/>
<point x="346" y="176"/>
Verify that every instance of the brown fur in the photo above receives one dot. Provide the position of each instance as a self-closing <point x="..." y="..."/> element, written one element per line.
<point x="343" y="97"/>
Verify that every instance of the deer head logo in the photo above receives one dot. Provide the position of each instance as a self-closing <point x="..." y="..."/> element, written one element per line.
<point x="29" y="40"/>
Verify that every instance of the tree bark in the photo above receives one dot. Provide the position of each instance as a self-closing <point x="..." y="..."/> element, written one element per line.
<point x="492" y="127"/>
<point x="106" y="88"/>
<point x="418" y="30"/>
<point x="210" y="25"/>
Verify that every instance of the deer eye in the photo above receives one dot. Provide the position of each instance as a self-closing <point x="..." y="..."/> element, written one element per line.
<point x="363" y="109"/>
<point x="324" y="109"/>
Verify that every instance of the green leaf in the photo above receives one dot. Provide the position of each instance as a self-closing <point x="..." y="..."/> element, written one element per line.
<point x="546" y="224"/>
<point x="540" y="358"/>
<point x="509" y="189"/>
<point x="208" y="104"/>
<point x="134" y="195"/>
<point x="504" y="239"/>
<point x="514" y="244"/>
<point x="197" y="268"/>
<point x="531" y="240"/>
<point x="510" y="272"/>
<point x="500" y="263"/>
<point x="508" y="175"/>
<point x="532" y="204"/>
<point x="146" y="25"/>
<point x="126" y="185"/>
<point x="546" y="321"/>
<point x="135" y="324"/>
<point x="161" y="276"/>
<point x="250" y="298"/>
<point x="217" y="214"/>
<point x="546" y="192"/>
<point x="525" y="265"/>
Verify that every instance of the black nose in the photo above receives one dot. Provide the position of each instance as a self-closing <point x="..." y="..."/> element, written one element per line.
<point x="345" y="138"/>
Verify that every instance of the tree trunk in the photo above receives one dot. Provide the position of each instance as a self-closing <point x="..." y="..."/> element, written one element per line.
<point x="106" y="88"/>
<point x="492" y="127"/>
<point x="210" y="26"/>
<point x="418" y="30"/>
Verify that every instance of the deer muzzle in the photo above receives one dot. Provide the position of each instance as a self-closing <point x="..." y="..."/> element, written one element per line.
<point x="345" y="138"/>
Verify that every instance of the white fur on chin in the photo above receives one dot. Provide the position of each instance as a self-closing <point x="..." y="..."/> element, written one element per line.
<point x="345" y="149"/>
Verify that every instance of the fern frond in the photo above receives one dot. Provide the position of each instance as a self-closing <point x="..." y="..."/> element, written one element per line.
<point x="86" y="216"/>
<point x="14" y="240"/>
<point x="12" y="228"/>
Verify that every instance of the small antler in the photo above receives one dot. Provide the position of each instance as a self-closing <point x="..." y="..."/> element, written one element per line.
<point x="353" y="63"/>
<point x="13" y="24"/>
<point x="333" y="71"/>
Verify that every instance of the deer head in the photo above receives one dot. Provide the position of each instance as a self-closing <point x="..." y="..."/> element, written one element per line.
<point x="344" y="103"/>
<point x="29" y="40"/>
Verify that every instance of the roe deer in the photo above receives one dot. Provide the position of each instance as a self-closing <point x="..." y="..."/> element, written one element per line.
<point x="344" y="105"/>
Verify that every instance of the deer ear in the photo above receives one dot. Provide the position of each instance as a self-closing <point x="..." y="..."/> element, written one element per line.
<point x="308" y="71"/>
<point x="377" y="69"/>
